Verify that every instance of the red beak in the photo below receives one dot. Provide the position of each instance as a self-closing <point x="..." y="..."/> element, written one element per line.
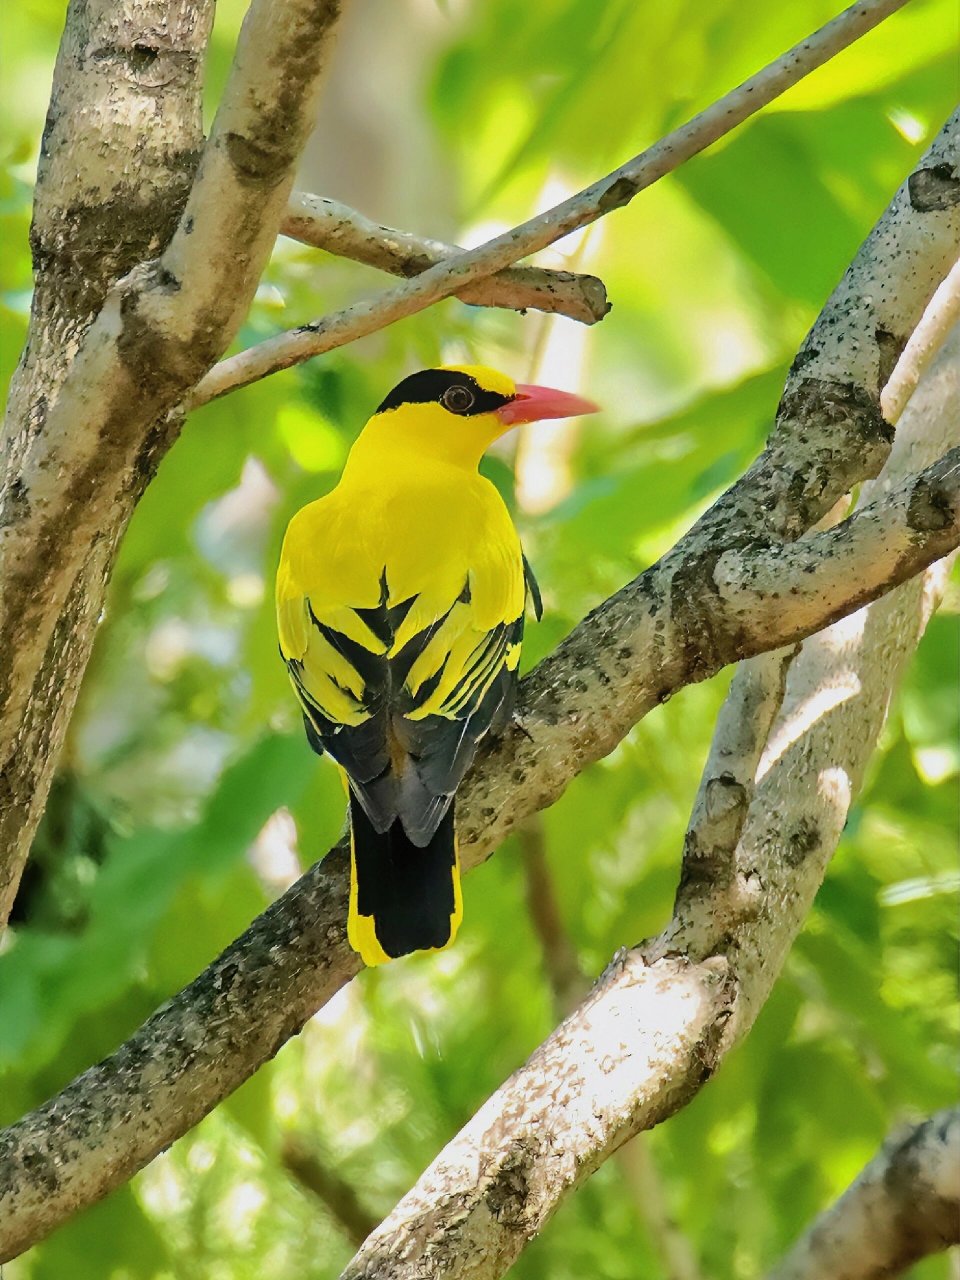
<point x="533" y="404"/>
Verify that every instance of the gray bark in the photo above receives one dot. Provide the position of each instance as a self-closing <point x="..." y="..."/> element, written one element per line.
<point x="118" y="157"/>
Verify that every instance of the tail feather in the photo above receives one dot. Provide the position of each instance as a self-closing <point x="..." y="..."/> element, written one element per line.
<point x="403" y="897"/>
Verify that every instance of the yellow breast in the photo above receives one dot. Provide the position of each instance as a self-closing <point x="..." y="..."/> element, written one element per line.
<point x="431" y="528"/>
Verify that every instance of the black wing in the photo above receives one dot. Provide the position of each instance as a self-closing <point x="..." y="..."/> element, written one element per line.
<point x="405" y="738"/>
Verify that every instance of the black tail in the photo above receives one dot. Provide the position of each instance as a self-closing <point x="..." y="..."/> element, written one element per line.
<point x="403" y="898"/>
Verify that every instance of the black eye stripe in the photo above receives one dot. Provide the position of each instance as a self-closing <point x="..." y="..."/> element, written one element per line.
<point x="429" y="386"/>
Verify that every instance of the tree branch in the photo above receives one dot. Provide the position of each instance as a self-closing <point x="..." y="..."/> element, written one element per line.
<point x="758" y="686"/>
<point x="904" y="1206"/>
<point x="727" y="784"/>
<point x="926" y="340"/>
<point x="327" y="224"/>
<point x="658" y="633"/>
<point x="84" y="446"/>
<point x="831" y="432"/>
<point x="661" y="1018"/>
<point x="611" y="192"/>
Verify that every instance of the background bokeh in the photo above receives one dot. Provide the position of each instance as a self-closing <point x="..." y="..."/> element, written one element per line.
<point x="186" y="796"/>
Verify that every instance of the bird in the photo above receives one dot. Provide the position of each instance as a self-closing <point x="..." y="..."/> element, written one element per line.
<point x="400" y="601"/>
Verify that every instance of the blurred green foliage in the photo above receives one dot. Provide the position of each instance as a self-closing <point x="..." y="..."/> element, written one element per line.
<point x="186" y="795"/>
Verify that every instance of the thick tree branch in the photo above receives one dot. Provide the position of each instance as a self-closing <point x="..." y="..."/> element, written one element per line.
<point x="660" y="632"/>
<point x="328" y="224"/>
<point x="904" y="1206"/>
<point x="696" y="990"/>
<point x="167" y="320"/>
<point x="613" y="191"/>
<point x="758" y="686"/>
<point x="830" y="431"/>
<point x="81" y="448"/>
<point x="647" y="1034"/>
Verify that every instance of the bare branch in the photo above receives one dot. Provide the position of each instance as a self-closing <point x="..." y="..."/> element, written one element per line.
<point x="611" y="192"/>
<point x="657" y="634"/>
<point x="830" y="431"/>
<point x="904" y="1206"/>
<point x="327" y="224"/>
<point x="576" y="1099"/>
<point x="727" y="785"/>
<point x="83" y="447"/>
<point x="756" y="693"/>
<point x="337" y="1196"/>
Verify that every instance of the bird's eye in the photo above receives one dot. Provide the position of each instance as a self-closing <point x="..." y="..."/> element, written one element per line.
<point x="458" y="398"/>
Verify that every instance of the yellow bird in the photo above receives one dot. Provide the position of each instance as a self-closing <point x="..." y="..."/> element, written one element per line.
<point x="400" y="599"/>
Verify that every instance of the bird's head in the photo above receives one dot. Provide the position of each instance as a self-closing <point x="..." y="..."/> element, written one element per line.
<point x="455" y="412"/>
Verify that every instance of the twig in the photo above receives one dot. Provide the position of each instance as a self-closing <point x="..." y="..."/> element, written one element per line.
<point x="642" y="1176"/>
<point x="904" y="1206"/>
<point x="327" y="224"/>
<point x="611" y="192"/>
<point x="338" y="1196"/>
